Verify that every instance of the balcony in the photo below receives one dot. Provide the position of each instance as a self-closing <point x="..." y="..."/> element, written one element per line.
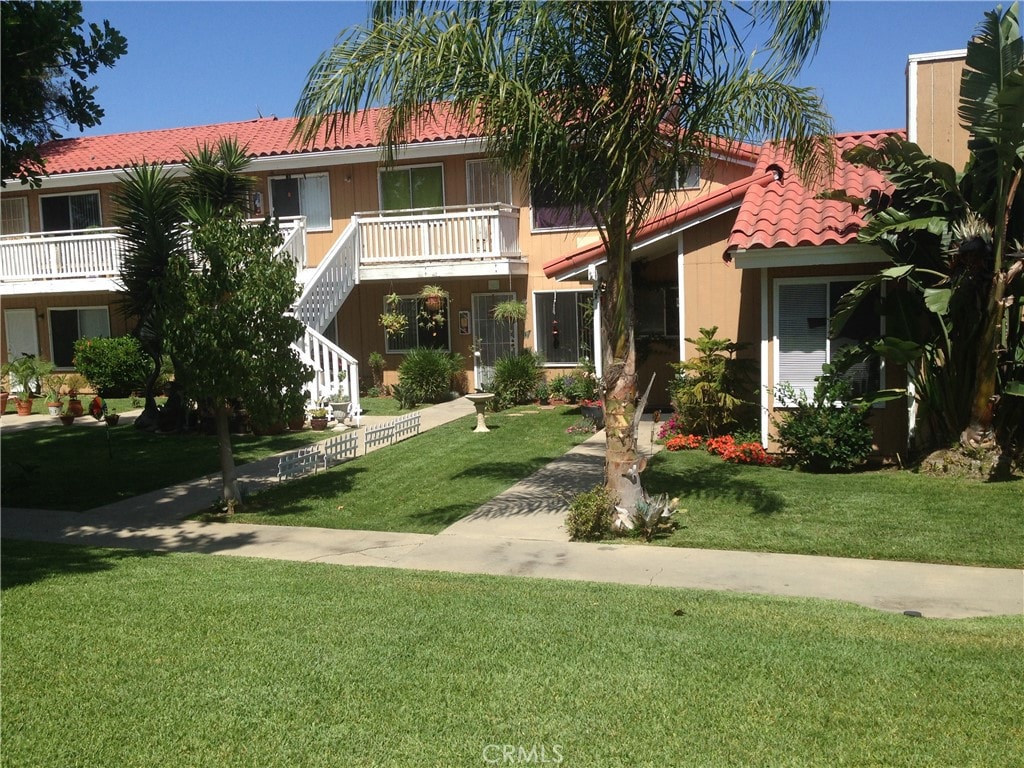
<point x="90" y="259"/>
<point x="463" y="241"/>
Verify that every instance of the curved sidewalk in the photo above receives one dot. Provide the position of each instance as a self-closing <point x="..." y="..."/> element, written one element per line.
<point x="520" y="533"/>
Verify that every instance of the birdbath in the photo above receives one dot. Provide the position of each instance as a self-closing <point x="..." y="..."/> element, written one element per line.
<point x="479" y="401"/>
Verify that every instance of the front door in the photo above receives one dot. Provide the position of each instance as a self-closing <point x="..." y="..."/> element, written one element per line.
<point x="491" y="338"/>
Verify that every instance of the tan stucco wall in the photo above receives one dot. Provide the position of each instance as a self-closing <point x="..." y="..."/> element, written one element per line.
<point x="42" y="303"/>
<point x="935" y="122"/>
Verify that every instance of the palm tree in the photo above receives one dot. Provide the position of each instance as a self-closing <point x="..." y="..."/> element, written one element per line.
<point x="593" y="99"/>
<point x="149" y="215"/>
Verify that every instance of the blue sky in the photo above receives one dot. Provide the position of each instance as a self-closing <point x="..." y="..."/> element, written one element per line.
<point x="193" y="63"/>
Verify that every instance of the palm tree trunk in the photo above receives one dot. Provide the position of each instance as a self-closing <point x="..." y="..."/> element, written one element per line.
<point x="622" y="470"/>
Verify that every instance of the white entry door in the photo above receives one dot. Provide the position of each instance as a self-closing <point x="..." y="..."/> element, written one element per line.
<point x="22" y="335"/>
<point x="491" y="338"/>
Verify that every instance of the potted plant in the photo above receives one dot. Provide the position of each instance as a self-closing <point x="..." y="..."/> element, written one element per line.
<point x="318" y="418"/>
<point x="26" y="373"/>
<point x="67" y="418"/>
<point x="112" y="417"/>
<point x="434" y="297"/>
<point x="52" y="386"/>
<point x="510" y="310"/>
<point x="543" y="393"/>
<point x="75" y="383"/>
<point x="393" y="321"/>
<point x="594" y="411"/>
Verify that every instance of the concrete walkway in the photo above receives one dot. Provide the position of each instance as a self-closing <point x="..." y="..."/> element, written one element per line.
<point x="521" y="533"/>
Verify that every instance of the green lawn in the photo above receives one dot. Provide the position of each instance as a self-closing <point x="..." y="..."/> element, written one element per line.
<point x="75" y="468"/>
<point x="425" y="483"/>
<point x="116" y="658"/>
<point x="890" y="514"/>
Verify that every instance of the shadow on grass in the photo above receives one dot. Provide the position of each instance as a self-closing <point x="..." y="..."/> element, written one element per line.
<point x="302" y="495"/>
<point x="26" y="562"/>
<point x="719" y="480"/>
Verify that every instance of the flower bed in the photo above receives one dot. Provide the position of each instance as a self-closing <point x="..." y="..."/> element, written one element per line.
<point x="726" y="447"/>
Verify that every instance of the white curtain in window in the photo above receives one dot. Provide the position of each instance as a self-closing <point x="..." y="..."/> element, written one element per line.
<point x="93" y="323"/>
<point x="315" y="201"/>
<point x="802" y="329"/>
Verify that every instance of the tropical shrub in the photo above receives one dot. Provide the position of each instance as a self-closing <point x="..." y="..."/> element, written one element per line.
<point x="827" y="433"/>
<point x="711" y="389"/>
<point x="515" y="379"/>
<point x="950" y="290"/>
<point x="426" y="375"/>
<point x="114" y="367"/>
<point x="590" y="514"/>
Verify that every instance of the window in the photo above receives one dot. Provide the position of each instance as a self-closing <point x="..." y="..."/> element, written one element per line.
<point x="69" y="325"/>
<point x="418" y="331"/>
<point x="487" y="183"/>
<point x="552" y="212"/>
<point x="14" y="212"/>
<point x="564" y="326"/>
<point x="657" y="310"/>
<point x="418" y="187"/>
<point x="61" y="213"/>
<point x="679" y="177"/>
<point x="308" y="196"/>
<point x="802" y="312"/>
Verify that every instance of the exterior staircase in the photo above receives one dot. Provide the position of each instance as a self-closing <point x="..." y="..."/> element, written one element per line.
<point x="335" y="372"/>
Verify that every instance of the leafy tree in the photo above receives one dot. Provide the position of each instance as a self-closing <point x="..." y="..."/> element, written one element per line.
<point x="208" y="289"/>
<point x="228" y="324"/>
<point x="593" y="99"/>
<point x="46" y="56"/>
<point x="953" y="308"/>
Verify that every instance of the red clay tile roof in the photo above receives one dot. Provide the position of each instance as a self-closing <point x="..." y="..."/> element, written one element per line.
<point x="265" y="137"/>
<point x="788" y="214"/>
<point x="666" y="222"/>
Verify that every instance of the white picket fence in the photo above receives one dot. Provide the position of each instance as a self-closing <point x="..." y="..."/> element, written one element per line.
<point x="346" y="446"/>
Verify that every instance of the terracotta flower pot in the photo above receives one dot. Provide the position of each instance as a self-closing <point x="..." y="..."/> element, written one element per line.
<point x="112" y="419"/>
<point x="75" y="406"/>
<point x="67" y="419"/>
<point x="3" y="401"/>
<point x="318" y="422"/>
<point x="53" y="408"/>
<point x="24" y="407"/>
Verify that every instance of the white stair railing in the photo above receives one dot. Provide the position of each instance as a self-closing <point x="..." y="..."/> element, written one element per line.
<point x="332" y="281"/>
<point x="336" y="372"/>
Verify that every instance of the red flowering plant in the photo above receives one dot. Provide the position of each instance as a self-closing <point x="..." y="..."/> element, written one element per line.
<point x="740" y="453"/>
<point x="684" y="442"/>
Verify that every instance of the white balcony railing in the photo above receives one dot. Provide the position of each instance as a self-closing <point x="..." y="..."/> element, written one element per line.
<point x="97" y="252"/>
<point x="451" y="235"/>
<point x="82" y="253"/>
